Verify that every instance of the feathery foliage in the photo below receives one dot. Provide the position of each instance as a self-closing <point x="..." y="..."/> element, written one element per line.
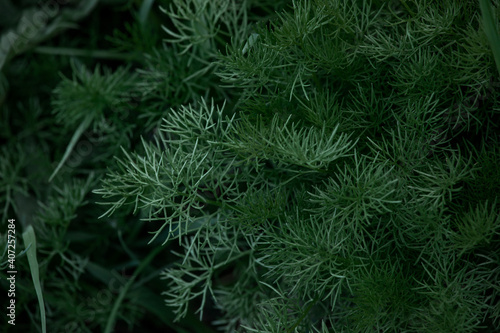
<point x="302" y="166"/>
<point x="330" y="190"/>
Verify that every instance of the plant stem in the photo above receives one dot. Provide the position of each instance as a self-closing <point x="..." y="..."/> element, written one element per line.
<point x="112" y="317"/>
<point x="72" y="52"/>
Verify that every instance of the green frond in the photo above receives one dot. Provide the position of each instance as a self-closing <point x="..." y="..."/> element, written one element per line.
<point x="289" y="142"/>
<point x="12" y="178"/>
<point x="477" y="227"/>
<point x="96" y="95"/>
<point x="360" y="192"/>
<point x="60" y="208"/>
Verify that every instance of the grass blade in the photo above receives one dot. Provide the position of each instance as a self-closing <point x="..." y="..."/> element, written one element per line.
<point x="490" y="28"/>
<point x="30" y="241"/>
<point x="114" y="312"/>
<point x="78" y="133"/>
<point x="144" y="11"/>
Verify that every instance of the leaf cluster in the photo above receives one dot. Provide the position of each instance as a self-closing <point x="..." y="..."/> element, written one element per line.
<point x="304" y="166"/>
<point x="330" y="190"/>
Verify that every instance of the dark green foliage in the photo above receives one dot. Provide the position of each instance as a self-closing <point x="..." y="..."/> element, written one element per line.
<point x="339" y="174"/>
<point x="328" y="167"/>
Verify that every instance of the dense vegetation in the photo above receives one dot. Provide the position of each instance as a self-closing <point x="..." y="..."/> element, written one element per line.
<point x="252" y="166"/>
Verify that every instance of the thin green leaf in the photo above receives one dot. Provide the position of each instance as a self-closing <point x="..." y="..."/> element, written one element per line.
<point x="490" y="28"/>
<point x="74" y="52"/>
<point x="114" y="312"/>
<point x="76" y="136"/>
<point x="30" y="241"/>
<point x="144" y="11"/>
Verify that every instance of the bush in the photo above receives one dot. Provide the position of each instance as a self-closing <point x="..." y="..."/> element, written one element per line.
<point x="328" y="168"/>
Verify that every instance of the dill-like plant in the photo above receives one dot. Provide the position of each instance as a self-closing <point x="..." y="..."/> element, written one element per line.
<point x="331" y="190"/>
<point x="279" y="166"/>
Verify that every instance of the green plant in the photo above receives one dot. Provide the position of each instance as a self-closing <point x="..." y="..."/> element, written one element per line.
<point x="328" y="192"/>
<point x="304" y="166"/>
